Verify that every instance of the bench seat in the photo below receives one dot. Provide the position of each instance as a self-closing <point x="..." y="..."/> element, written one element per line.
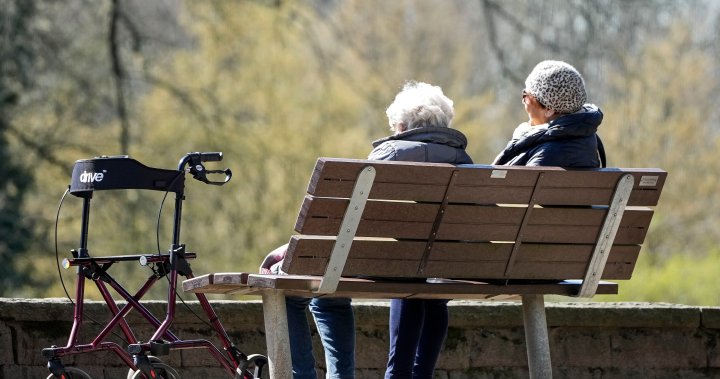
<point x="380" y="288"/>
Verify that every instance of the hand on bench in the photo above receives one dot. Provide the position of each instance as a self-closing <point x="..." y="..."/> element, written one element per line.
<point x="272" y="262"/>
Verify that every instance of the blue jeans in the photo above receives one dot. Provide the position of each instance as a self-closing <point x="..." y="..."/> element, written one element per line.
<point x="417" y="331"/>
<point x="335" y="324"/>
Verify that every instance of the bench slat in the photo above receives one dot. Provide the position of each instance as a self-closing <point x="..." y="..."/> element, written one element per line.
<point x="483" y="270"/>
<point x="481" y="184"/>
<point x="378" y="288"/>
<point x="452" y="260"/>
<point x="220" y="283"/>
<point x="409" y="220"/>
<point x="557" y="187"/>
<point x="384" y="289"/>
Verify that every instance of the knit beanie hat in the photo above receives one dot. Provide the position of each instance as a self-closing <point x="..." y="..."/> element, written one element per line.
<point x="557" y="85"/>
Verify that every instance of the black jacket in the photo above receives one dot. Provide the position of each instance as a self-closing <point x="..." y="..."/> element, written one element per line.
<point x="568" y="141"/>
<point x="429" y="144"/>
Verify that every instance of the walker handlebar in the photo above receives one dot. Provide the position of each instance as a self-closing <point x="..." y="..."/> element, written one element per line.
<point x="197" y="169"/>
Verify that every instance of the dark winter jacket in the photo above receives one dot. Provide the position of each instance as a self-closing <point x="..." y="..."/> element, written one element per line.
<point x="568" y="141"/>
<point x="430" y="144"/>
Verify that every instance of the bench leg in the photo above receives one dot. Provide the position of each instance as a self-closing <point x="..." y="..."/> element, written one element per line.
<point x="536" y="337"/>
<point x="276" y="335"/>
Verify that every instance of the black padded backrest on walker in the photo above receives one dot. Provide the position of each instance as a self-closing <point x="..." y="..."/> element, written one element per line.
<point x="122" y="172"/>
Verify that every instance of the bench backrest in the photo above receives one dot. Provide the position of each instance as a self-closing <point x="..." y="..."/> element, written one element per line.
<point x="473" y="221"/>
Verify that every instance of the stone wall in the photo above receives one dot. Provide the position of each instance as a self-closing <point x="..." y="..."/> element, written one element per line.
<point x="486" y="340"/>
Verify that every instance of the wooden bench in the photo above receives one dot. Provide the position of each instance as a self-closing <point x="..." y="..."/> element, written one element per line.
<point x="472" y="231"/>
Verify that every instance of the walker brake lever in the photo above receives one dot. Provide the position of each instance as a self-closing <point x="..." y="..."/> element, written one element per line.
<point x="228" y="176"/>
<point x="200" y="173"/>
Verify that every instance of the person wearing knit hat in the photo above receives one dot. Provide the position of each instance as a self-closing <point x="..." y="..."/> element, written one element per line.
<point x="562" y="127"/>
<point x="557" y="85"/>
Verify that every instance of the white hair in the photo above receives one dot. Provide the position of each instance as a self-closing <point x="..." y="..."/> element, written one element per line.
<point x="420" y="105"/>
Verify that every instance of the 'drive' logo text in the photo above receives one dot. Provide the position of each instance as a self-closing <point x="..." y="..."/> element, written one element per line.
<point x="92" y="177"/>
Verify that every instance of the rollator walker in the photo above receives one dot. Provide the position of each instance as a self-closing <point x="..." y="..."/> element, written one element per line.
<point x="143" y="357"/>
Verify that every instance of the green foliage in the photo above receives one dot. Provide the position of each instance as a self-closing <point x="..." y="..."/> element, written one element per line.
<point x="17" y="62"/>
<point x="682" y="279"/>
<point x="14" y="228"/>
<point x="274" y="85"/>
<point x="661" y="121"/>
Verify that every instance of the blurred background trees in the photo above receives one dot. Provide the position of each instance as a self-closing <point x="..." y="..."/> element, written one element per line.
<point x="276" y="84"/>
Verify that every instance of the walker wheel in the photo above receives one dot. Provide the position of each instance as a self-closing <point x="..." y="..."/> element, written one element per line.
<point x="71" y="373"/>
<point x="254" y="370"/>
<point x="162" y="370"/>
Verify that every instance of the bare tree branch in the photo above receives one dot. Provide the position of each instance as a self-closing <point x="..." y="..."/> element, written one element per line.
<point x="119" y="77"/>
<point x="44" y="151"/>
<point x="518" y="25"/>
<point x="488" y="11"/>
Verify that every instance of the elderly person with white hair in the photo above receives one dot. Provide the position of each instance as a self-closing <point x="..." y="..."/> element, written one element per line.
<point x="420" y="116"/>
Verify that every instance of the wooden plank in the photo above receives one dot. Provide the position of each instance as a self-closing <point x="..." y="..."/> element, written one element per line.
<point x="560" y="187"/>
<point x="391" y="258"/>
<point x="482" y="184"/>
<point x="528" y="270"/>
<point x="197" y="282"/>
<point x="500" y="176"/>
<point x="534" y="261"/>
<point x="323" y="216"/>
<point x="314" y="207"/>
<point x="569" y="187"/>
<point x="393" y="180"/>
<point x="320" y="247"/>
<point x="409" y="220"/>
<point x="569" y="270"/>
<point x="221" y="283"/>
<point x="381" y="190"/>
<point x="532" y="252"/>
<point x="303" y="285"/>
<point x="356" y="267"/>
<point x="333" y="169"/>
<point x="646" y="190"/>
<point x="454" y="289"/>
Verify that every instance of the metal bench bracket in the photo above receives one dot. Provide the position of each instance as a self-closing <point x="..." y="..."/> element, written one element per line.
<point x="348" y="228"/>
<point x="607" y="236"/>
